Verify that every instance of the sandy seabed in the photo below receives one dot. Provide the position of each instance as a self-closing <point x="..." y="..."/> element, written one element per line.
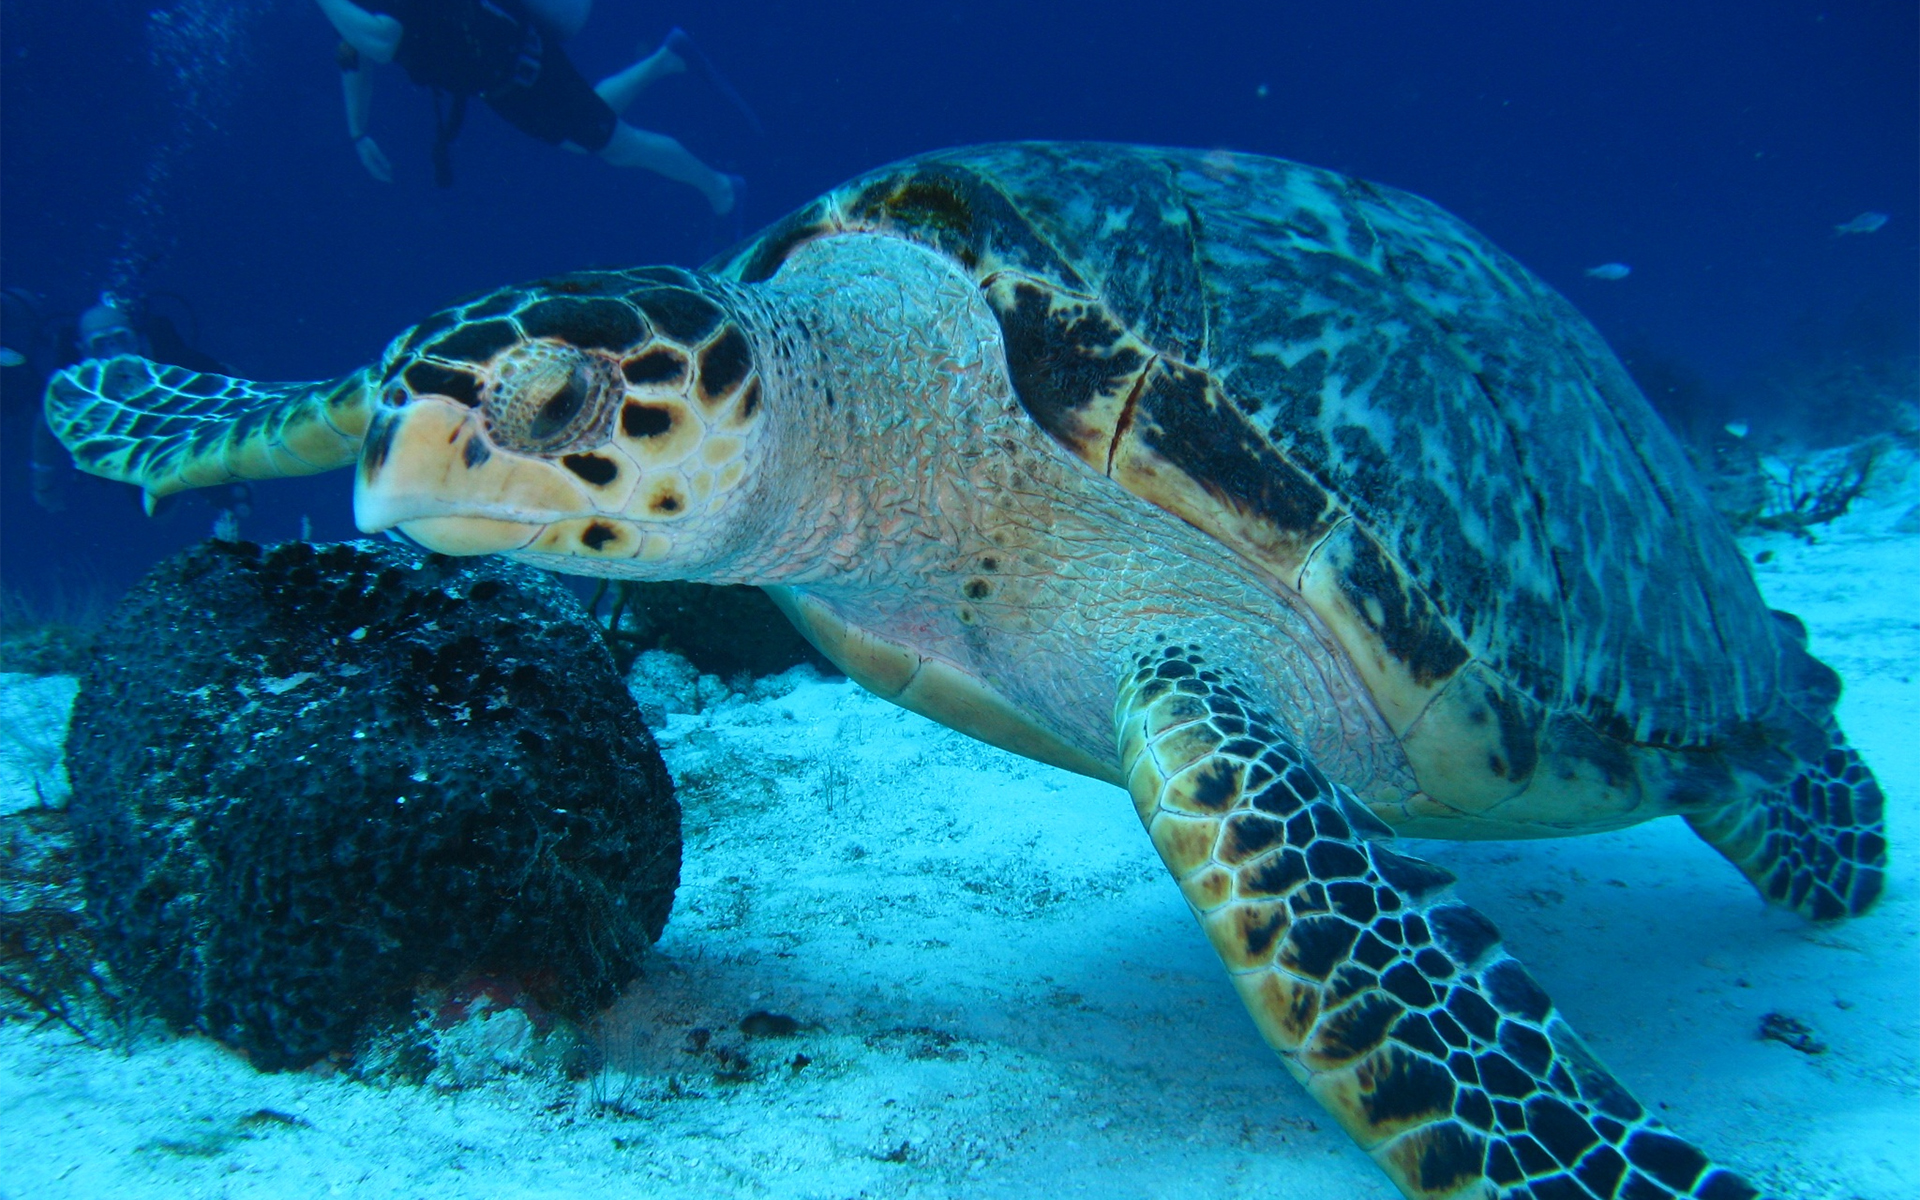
<point x="1001" y="995"/>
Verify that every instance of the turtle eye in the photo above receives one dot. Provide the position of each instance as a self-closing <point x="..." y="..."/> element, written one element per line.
<point x="550" y="399"/>
<point x="553" y="417"/>
<point x="396" y="396"/>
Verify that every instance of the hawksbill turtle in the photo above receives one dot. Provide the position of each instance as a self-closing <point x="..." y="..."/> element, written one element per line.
<point x="1282" y="500"/>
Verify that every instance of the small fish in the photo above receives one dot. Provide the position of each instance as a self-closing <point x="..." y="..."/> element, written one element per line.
<point x="1610" y="271"/>
<point x="1866" y="222"/>
<point x="9" y="357"/>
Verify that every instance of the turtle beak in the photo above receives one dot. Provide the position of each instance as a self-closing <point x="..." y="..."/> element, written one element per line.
<point x="428" y="469"/>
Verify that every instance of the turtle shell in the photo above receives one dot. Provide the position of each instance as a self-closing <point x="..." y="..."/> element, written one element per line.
<point x="1396" y="421"/>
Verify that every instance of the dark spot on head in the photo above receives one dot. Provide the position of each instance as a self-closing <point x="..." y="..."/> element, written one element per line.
<point x="669" y="503"/>
<point x="475" y="452"/>
<point x="427" y="378"/>
<point x="379" y="441"/>
<point x="686" y="317"/>
<point x="477" y="342"/>
<point x="989" y="563"/>
<point x="750" y="400"/>
<point x="724" y="364"/>
<point x="978" y="589"/>
<point x="560" y="409"/>
<point x="587" y="324"/>
<point x="658" y="365"/>
<point x="597" y="535"/>
<point x="591" y="467"/>
<point x="645" y="420"/>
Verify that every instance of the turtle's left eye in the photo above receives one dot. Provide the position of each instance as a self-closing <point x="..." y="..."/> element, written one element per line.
<point x="550" y="399"/>
<point x="561" y="408"/>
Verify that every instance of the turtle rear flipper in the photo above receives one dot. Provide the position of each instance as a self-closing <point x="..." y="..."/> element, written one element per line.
<point x="168" y="429"/>
<point x="1390" y="1000"/>
<point x="1817" y="844"/>
<point x="1816" y="841"/>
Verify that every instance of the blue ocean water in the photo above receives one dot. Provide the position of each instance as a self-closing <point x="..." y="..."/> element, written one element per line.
<point x="193" y="153"/>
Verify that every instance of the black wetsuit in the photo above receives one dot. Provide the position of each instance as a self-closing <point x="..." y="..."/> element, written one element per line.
<point x="496" y="50"/>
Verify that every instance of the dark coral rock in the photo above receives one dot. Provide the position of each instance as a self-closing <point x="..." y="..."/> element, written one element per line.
<point x="308" y="780"/>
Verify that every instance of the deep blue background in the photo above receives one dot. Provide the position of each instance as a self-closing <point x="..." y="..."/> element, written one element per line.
<point x="1711" y="145"/>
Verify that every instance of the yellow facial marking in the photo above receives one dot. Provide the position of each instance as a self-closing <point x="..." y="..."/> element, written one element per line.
<point x="718" y="450"/>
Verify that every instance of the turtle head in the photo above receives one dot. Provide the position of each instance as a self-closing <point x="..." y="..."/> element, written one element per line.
<point x="602" y="423"/>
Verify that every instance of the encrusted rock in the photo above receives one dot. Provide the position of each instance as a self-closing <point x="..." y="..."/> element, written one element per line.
<point x="309" y="780"/>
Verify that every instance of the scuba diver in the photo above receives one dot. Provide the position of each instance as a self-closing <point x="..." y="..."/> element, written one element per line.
<point x="39" y="343"/>
<point x="508" y="53"/>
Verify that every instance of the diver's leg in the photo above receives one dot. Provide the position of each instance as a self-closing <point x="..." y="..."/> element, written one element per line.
<point x="622" y="88"/>
<point x="562" y="17"/>
<point x="630" y="147"/>
<point x="1389" y="999"/>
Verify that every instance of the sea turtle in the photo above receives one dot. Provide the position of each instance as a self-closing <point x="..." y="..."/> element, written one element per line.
<point x="1283" y="500"/>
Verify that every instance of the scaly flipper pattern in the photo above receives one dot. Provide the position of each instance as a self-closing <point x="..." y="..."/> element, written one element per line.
<point x="1390" y="1000"/>
<point x="1817" y="845"/>
<point x="168" y="429"/>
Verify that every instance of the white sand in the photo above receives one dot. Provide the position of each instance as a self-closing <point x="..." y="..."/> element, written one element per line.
<point x="1003" y="997"/>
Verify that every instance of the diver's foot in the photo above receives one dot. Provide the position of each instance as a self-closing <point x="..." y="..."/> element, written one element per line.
<point x="678" y="53"/>
<point x="675" y="55"/>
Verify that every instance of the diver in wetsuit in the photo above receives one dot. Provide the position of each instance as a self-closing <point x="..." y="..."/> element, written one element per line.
<point x="508" y="53"/>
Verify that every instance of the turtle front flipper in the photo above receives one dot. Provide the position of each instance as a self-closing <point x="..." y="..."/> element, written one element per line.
<point x="1390" y="1000"/>
<point x="168" y="429"/>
